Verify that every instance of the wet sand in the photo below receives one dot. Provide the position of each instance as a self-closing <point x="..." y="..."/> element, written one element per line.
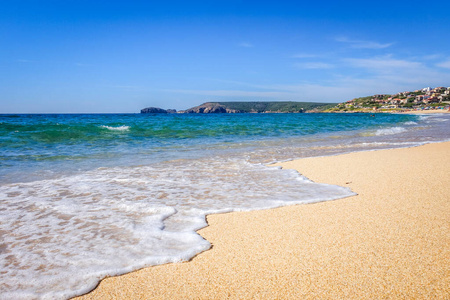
<point x="391" y="241"/>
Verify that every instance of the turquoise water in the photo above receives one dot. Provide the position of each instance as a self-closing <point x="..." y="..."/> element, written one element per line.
<point x="49" y="144"/>
<point x="88" y="196"/>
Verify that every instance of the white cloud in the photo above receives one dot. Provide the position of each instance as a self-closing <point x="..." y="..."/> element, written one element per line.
<point x="246" y="45"/>
<point x="384" y="64"/>
<point x="373" y="75"/>
<point x="432" y="56"/>
<point x="400" y="74"/>
<point x="361" y="44"/>
<point x="343" y="88"/>
<point x="336" y="89"/>
<point x="444" y="64"/>
<point x="314" y="65"/>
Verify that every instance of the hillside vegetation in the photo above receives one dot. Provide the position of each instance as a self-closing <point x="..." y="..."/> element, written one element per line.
<point x="259" y="107"/>
<point x="284" y="106"/>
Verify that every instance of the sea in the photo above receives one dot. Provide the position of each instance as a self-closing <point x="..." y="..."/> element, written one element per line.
<point x="86" y="196"/>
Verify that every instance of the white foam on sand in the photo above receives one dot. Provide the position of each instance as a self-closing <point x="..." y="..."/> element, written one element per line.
<point x="61" y="236"/>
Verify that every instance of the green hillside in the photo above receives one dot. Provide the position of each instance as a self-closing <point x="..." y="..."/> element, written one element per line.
<point x="282" y="106"/>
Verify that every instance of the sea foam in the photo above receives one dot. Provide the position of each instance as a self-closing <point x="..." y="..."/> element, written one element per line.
<point x="410" y="123"/>
<point x="90" y="211"/>
<point x="118" y="128"/>
<point x="64" y="235"/>
<point x="389" y="131"/>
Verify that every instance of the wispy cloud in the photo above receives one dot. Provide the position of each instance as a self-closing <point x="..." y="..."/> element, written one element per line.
<point x="444" y="64"/>
<point x="383" y="63"/>
<point x="404" y="74"/>
<point x="361" y="44"/>
<point x="314" y="65"/>
<point x="336" y="89"/>
<point x="432" y="56"/>
<point x="246" y="45"/>
<point x="359" y="77"/>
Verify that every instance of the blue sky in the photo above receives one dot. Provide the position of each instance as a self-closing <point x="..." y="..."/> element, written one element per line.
<point x="121" y="56"/>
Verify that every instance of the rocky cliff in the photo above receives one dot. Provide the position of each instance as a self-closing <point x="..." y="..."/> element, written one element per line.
<point x="157" y="110"/>
<point x="210" y="108"/>
<point x="258" y="107"/>
<point x="247" y="107"/>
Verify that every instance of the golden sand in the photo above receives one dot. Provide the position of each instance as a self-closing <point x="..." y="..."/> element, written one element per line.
<point x="392" y="241"/>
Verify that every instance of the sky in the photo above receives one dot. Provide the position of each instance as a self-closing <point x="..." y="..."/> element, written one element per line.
<point x="121" y="56"/>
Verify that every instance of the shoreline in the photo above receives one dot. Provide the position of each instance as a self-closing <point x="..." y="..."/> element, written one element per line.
<point x="391" y="240"/>
<point x="430" y="111"/>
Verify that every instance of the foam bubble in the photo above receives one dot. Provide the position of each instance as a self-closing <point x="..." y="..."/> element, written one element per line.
<point x="389" y="131"/>
<point x="118" y="128"/>
<point x="410" y="123"/>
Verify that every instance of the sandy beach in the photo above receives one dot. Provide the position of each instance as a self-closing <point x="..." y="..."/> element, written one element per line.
<point x="430" y="111"/>
<point x="391" y="241"/>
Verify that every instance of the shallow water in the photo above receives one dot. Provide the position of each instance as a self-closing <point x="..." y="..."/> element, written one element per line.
<point x="88" y="196"/>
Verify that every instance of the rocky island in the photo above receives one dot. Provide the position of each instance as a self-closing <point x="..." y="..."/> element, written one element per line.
<point x="248" y="107"/>
<point x="157" y="110"/>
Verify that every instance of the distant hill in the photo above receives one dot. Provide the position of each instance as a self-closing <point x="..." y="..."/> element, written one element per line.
<point x="157" y="110"/>
<point x="259" y="107"/>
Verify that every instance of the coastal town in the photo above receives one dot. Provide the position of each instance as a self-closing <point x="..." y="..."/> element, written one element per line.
<point x="423" y="99"/>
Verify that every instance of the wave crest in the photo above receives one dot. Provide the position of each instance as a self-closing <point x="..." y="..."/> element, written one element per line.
<point x="118" y="128"/>
<point x="388" y="131"/>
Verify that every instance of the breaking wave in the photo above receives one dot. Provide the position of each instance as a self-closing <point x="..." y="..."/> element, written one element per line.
<point x="118" y="128"/>
<point x="389" y="131"/>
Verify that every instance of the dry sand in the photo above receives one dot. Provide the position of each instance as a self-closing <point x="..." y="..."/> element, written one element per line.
<point x="392" y="241"/>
